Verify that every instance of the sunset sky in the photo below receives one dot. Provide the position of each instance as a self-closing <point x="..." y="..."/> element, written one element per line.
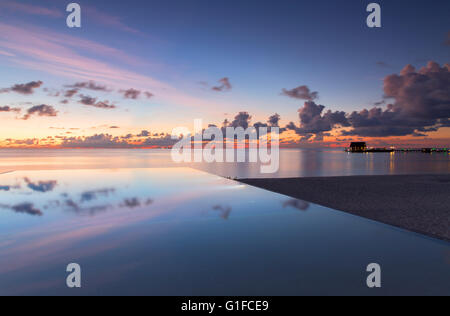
<point x="137" y="69"/>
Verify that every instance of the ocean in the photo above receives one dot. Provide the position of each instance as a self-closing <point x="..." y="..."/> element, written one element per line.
<point x="293" y="162"/>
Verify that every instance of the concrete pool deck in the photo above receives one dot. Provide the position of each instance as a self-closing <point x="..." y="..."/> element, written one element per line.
<point x="420" y="203"/>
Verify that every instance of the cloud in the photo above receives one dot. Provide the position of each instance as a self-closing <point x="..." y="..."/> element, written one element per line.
<point x="27" y="208"/>
<point x="148" y="95"/>
<point x="383" y="64"/>
<point x="447" y="41"/>
<point x="313" y="120"/>
<point x="274" y="120"/>
<point x="159" y="141"/>
<point x="26" y="88"/>
<point x="134" y="94"/>
<point x="59" y="54"/>
<point x="298" y="204"/>
<point x="90" y="85"/>
<point x="114" y="127"/>
<point x="41" y="186"/>
<point x="225" y="85"/>
<point x="131" y="94"/>
<point x="70" y="93"/>
<point x="95" y="141"/>
<point x="242" y="119"/>
<point x="109" y="141"/>
<point x="27" y="142"/>
<point x="108" y="20"/>
<point x="301" y="92"/>
<point x="9" y="109"/>
<point x="40" y="110"/>
<point x="9" y="187"/>
<point x="144" y="133"/>
<point x="30" y="9"/>
<point x="380" y="103"/>
<point x="95" y="194"/>
<point x="131" y="203"/>
<point x="224" y="211"/>
<point x="421" y="103"/>
<point x="90" y="101"/>
<point x="6" y="54"/>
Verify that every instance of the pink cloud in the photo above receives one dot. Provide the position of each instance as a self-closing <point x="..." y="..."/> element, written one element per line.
<point x="6" y="54"/>
<point x="30" y="9"/>
<point x="47" y="51"/>
<point x="108" y="20"/>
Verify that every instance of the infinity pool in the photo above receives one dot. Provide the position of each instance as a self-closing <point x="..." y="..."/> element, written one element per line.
<point x="180" y="231"/>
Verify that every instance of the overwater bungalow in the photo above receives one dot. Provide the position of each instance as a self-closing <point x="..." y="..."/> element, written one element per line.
<point x="357" y="147"/>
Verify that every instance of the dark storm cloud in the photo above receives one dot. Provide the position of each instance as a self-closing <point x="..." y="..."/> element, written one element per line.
<point x="225" y="85"/>
<point x="26" y="88"/>
<point x="421" y="103"/>
<point x="90" y="101"/>
<point x="40" y="110"/>
<point x="301" y="92"/>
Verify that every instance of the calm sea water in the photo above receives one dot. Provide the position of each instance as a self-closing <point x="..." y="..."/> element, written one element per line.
<point x="139" y="224"/>
<point x="293" y="162"/>
<point x="180" y="231"/>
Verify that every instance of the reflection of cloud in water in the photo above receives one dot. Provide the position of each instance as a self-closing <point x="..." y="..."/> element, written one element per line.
<point x="78" y="208"/>
<point x="92" y="210"/>
<point x="298" y="204"/>
<point x="92" y="195"/>
<point x="135" y="202"/>
<point x="131" y="203"/>
<point x="25" y="208"/>
<point x="41" y="186"/>
<point x="224" y="211"/>
<point x="9" y="187"/>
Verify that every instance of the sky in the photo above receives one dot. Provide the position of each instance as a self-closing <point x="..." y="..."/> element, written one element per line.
<point x="137" y="69"/>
